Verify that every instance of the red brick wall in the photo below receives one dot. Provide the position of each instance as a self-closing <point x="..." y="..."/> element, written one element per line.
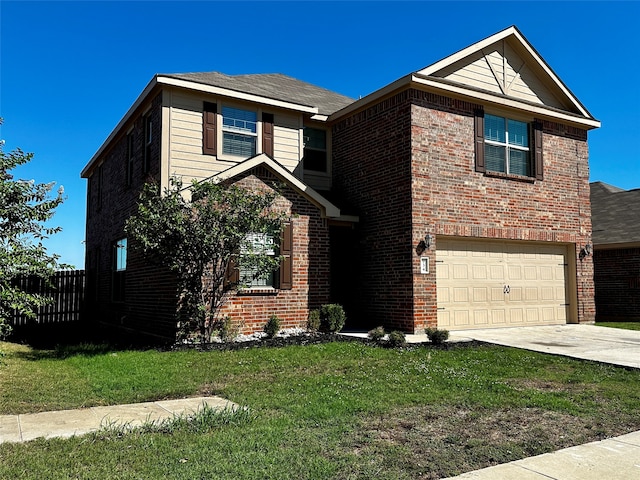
<point x="251" y="309"/>
<point x="617" y="284"/>
<point x="372" y="172"/>
<point x="451" y="198"/>
<point x="150" y="292"/>
<point x="407" y="164"/>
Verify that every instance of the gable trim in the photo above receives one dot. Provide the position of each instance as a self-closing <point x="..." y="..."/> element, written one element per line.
<point x="503" y="35"/>
<point x="489" y="97"/>
<point x="327" y="208"/>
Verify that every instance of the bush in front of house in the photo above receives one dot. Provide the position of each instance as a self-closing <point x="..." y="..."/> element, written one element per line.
<point x="377" y="334"/>
<point x="397" y="339"/>
<point x="332" y="318"/>
<point x="313" y="323"/>
<point x="272" y="327"/>
<point x="436" y="336"/>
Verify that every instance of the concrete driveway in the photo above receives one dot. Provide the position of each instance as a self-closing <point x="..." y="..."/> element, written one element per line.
<point x="601" y="344"/>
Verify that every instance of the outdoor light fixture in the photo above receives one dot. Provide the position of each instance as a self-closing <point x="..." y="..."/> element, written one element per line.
<point x="586" y="250"/>
<point x="428" y="241"/>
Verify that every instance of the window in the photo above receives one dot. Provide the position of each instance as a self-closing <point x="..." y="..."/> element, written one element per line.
<point x="239" y="132"/>
<point x="265" y="244"/>
<point x="315" y="149"/>
<point x="129" y="158"/>
<point x="508" y="146"/>
<point x="148" y="140"/>
<point x="119" y="270"/>
<point x="257" y="244"/>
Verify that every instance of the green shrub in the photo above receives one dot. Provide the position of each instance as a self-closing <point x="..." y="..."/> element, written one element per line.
<point x="272" y="327"/>
<point x="226" y="329"/>
<point x="436" y="336"/>
<point x="376" y="334"/>
<point x="313" y="323"/>
<point x="397" y="339"/>
<point x="332" y="318"/>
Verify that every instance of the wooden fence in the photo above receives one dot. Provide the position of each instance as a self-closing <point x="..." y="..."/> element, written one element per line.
<point x="67" y="292"/>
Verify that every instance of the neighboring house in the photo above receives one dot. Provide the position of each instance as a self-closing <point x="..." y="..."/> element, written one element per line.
<point x="615" y="216"/>
<point x="456" y="196"/>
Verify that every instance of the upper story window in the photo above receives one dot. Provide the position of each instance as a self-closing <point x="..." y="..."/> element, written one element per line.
<point x="315" y="150"/>
<point x="508" y="146"/>
<point x="239" y="132"/>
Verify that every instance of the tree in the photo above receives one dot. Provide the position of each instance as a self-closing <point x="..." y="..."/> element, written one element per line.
<point x="25" y="208"/>
<point x="198" y="238"/>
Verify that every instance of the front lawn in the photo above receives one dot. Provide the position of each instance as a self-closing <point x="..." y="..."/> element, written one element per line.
<point x="625" y="325"/>
<point x="336" y="410"/>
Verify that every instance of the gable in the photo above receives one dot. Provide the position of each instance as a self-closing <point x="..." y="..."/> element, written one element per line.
<point x="499" y="68"/>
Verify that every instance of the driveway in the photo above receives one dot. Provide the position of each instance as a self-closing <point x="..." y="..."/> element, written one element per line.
<point x="588" y="342"/>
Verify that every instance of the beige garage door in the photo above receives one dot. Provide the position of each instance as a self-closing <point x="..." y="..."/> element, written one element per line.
<point x="483" y="284"/>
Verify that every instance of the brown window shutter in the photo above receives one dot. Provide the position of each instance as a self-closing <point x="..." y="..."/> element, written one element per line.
<point x="232" y="275"/>
<point x="286" y="254"/>
<point x="209" y="128"/>
<point x="537" y="150"/>
<point x="479" y="140"/>
<point x="267" y="134"/>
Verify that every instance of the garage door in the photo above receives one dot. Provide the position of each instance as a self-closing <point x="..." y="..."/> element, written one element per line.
<point x="484" y="284"/>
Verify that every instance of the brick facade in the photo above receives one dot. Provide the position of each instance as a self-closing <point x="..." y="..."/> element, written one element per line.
<point x="407" y="163"/>
<point x="149" y="304"/>
<point x="617" y="279"/>
<point x="251" y="309"/>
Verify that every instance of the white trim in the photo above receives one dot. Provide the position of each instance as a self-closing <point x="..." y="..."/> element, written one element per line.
<point x="504" y="34"/>
<point x="328" y="209"/>
<point x="249" y="97"/>
<point x="547" y="112"/>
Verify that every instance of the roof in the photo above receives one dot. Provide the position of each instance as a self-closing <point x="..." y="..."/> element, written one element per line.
<point x="272" y="85"/>
<point x="615" y="215"/>
<point x="517" y="65"/>
<point x="328" y="209"/>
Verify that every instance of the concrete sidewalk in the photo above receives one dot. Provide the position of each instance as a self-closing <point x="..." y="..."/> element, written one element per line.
<point x="67" y="423"/>
<point x="615" y="458"/>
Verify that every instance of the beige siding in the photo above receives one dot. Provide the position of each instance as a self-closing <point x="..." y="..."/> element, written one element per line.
<point x="186" y="159"/>
<point x="287" y="149"/>
<point x="499" y="69"/>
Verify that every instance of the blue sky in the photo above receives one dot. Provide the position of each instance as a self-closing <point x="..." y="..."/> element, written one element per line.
<point x="70" y="70"/>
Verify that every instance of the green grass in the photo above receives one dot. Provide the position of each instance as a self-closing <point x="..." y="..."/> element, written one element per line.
<point x="337" y="410"/>
<point x="624" y="325"/>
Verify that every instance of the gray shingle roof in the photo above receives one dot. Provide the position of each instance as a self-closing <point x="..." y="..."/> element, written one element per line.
<point x="272" y="85"/>
<point x="615" y="214"/>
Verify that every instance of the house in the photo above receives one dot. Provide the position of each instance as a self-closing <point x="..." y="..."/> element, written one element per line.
<point x="456" y="196"/>
<point x="615" y="215"/>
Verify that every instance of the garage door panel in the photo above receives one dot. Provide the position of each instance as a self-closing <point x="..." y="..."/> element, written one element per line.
<point x="461" y="319"/>
<point x="495" y="284"/>
<point x="460" y="271"/>
<point x="481" y="318"/>
<point x="480" y="295"/>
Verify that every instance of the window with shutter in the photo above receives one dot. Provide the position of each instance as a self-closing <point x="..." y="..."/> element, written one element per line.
<point x="508" y="146"/>
<point x="239" y="132"/>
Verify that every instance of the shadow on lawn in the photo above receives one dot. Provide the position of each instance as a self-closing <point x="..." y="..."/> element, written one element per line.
<point x="60" y="341"/>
